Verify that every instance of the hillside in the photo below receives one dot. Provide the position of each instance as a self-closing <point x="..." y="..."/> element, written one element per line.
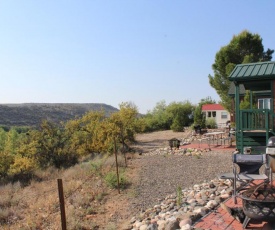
<point x="31" y="114"/>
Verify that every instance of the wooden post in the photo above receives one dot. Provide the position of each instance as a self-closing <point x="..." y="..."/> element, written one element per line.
<point x="62" y="204"/>
<point x="117" y="174"/>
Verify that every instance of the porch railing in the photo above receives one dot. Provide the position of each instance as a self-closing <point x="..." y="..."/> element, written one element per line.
<point x="256" y="119"/>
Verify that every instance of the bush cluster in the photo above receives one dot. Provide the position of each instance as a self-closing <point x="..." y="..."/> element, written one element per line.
<point x="61" y="145"/>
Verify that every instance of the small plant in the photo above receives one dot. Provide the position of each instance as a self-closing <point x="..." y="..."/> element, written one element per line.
<point x="111" y="226"/>
<point x="179" y="196"/>
<point x="4" y="216"/>
<point x="99" y="197"/>
<point x="96" y="167"/>
<point x="111" y="180"/>
<point x="198" y="156"/>
<point x="91" y="211"/>
<point x="211" y="123"/>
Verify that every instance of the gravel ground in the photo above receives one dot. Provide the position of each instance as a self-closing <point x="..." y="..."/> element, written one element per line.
<point x="160" y="176"/>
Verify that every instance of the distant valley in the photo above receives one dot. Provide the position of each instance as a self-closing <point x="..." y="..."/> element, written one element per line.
<point x="31" y="114"/>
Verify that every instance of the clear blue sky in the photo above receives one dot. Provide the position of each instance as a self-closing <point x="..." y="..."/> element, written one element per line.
<point x="113" y="51"/>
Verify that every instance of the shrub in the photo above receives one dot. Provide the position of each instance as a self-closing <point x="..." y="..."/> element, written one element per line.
<point x="211" y="123"/>
<point x="111" y="180"/>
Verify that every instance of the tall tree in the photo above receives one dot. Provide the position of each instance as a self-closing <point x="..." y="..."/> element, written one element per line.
<point x="243" y="48"/>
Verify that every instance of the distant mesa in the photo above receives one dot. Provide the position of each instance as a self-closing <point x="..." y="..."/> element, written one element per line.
<point x="31" y="114"/>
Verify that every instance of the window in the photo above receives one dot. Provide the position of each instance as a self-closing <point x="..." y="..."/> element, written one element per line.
<point x="209" y="114"/>
<point x="264" y="103"/>
<point x="214" y="114"/>
<point x="224" y="115"/>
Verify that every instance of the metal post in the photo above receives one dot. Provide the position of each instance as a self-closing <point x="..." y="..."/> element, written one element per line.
<point x="117" y="173"/>
<point x="62" y="204"/>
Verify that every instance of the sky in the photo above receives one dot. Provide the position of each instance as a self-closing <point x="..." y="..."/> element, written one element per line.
<point x="114" y="51"/>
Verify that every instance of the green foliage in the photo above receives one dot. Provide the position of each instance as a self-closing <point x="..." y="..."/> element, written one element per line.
<point x="22" y="151"/>
<point x="96" y="167"/>
<point x="179" y="196"/>
<point x="157" y="119"/>
<point x="180" y="114"/>
<point x="6" y="160"/>
<point x="52" y="147"/>
<point x="246" y="102"/>
<point x="111" y="180"/>
<point x="211" y="123"/>
<point x="84" y="134"/>
<point x="125" y="123"/>
<point x="3" y="136"/>
<point x="243" y="48"/>
<point x="174" y="116"/>
<point x="22" y="166"/>
<point x="199" y="118"/>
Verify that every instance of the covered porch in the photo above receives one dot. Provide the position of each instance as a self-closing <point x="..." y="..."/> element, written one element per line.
<point x="254" y="125"/>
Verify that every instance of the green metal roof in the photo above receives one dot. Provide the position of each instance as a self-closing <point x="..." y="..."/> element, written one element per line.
<point x="253" y="71"/>
<point x="231" y="91"/>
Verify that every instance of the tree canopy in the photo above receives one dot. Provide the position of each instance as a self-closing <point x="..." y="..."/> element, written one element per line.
<point x="174" y="116"/>
<point x="243" y="48"/>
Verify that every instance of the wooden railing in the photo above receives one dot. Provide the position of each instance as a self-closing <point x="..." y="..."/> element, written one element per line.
<point x="256" y="119"/>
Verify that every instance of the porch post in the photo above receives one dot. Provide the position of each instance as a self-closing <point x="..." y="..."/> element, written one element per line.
<point x="251" y="99"/>
<point x="237" y="114"/>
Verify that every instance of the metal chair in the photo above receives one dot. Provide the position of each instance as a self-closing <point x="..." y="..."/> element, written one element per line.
<point x="246" y="170"/>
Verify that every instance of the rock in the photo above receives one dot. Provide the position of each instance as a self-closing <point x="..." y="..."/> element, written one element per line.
<point x="185" y="222"/>
<point x="152" y="227"/>
<point x="143" y="227"/>
<point x="200" y="211"/>
<point x="211" y="204"/>
<point x="191" y="201"/>
<point x="197" y="201"/>
<point x="225" y="196"/>
<point x="186" y="227"/>
<point x="161" y="224"/>
<point x="172" y="225"/>
<point x="133" y="220"/>
<point x="137" y="224"/>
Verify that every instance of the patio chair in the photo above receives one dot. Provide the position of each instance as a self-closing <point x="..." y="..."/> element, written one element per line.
<point x="228" y="139"/>
<point x="246" y="171"/>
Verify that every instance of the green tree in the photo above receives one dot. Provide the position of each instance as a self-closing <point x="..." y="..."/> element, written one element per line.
<point x="157" y="118"/>
<point x="86" y="137"/>
<point x="179" y="114"/>
<point x="25" y="161"/>
<point x="245" y="103"/>
<point x="3" y="137"/>
<point x="6" y="160"/>
<point x="52" y="149"/>
<point x="243" y="48"/>
<point x="199" y="118"/>
<point x="126" y="123"/>
<point x="12" y="141"/>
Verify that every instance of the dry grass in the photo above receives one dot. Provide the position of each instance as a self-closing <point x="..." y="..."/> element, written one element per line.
<point x="37" y="205"/>
<point x="89" y="202"/>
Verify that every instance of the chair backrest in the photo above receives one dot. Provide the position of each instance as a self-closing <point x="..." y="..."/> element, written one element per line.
<point x="249" y="164"/>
